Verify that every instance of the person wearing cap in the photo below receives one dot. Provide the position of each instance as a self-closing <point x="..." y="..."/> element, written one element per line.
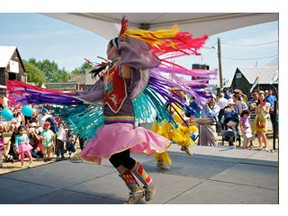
<point x="229" y="111"/>
<point x="47" y="136"/>
<point x="208" y="134"/>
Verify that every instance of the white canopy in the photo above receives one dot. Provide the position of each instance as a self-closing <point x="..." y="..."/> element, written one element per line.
<point x="105" y="24"/>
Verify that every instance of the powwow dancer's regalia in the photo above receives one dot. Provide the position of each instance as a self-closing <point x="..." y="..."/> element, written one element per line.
<point x="105" y="114"/>
<point x="180" y="135"/>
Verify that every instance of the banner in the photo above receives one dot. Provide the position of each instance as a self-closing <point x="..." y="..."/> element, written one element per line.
<point x="256" y="81"/>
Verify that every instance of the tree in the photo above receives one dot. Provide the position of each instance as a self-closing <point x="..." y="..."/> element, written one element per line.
<point x="34" y="74"/>
<point x="81" y="70"/>
<point x="51" y="70"/>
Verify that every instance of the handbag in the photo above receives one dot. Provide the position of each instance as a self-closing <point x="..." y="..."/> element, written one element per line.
<point x="260" y="123"/>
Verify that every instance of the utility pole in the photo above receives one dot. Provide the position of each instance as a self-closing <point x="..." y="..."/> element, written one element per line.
<point x="220" y="63"/>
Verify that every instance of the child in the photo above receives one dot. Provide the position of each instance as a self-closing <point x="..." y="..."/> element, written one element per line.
<point x="23" y="146"/>
<point x="245" y="127"/>
<point x="47" y="136"/>
<point x="70" y="143"/>
<point x="1" y="148"/>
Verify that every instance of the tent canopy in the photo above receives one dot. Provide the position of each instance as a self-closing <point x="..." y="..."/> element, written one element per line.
<point x="105" y="24"/>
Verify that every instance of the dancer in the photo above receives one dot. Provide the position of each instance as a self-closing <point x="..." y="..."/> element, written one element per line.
<point x="130" y="87"/>
<point x="180" y="135"/>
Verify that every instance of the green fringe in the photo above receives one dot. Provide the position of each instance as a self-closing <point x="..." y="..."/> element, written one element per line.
<point x="83" y="119"/>
<point x="149" y="106"/>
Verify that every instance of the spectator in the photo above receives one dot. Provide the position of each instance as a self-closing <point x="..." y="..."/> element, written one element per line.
<point x="245" y="127"/>
<point x="239" y="93"/>
<point x="222" y="101"/>
<point x="41" y="118"/>
<point x="271" y="99"/>
<point x="1" y="102"/>
<point x="23" y="146"/>
<point x="4" y="102"/>
<point x="253" y="102"/>
<point x="2" y="148"/>
<point x="60" y="140"/>
<point x="35" y="140"/>
<point x="47" y="136"/>
<point x="230" y="116"/>
<point x="239" y="103"/>
<point x="11" y="154"/>
<point x="227" y="94"/>
<point x="58" y="120"/>
<point x="18" y="118"/>
<point x="208" y="135"/>
<point x="70" y="143"/>
<point x="261" y="120"/>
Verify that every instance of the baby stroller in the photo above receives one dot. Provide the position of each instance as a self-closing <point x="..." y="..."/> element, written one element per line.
<point x="230" y="126"/>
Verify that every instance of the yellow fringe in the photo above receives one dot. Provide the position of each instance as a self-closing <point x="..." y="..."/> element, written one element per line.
<point x="164" y="129"/>
<point x="151" y="37"/>
<point x="164" y="157"/>
<point x="181" y="135"/>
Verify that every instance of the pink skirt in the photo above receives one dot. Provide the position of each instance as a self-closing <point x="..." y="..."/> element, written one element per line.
<point x="25" y="147"/>
<point x="118" y="137"/>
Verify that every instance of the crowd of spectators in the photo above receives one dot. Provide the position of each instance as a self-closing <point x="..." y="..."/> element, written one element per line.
<point x="47" y="134"/>
<point x="258" y="108"/>
<point x="242" y="114"/>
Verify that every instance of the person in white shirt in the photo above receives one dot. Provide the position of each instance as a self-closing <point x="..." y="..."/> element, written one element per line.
<point x="222" y="101"/>
<point x="41" y="118"/>
<point x="60" y="141"/>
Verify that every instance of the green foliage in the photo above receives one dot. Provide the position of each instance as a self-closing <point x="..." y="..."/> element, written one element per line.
<point x="81" y="70"/>
<point x="51" y="70"/>
<point x="76" y="72"/>
<point x="34" y="74"/>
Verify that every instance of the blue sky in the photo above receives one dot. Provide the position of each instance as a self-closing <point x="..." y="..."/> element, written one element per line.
<point x="41" y="37"/>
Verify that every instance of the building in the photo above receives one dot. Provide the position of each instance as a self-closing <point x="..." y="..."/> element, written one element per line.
<point x="77" y="82"/>
<point x="11" y="66"/>
<point x="244" y="78"/>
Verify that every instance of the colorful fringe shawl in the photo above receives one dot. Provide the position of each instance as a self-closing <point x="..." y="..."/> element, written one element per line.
<point x="151" y="104"/>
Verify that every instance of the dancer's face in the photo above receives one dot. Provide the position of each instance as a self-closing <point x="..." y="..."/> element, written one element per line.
<point x="111" y="51"/>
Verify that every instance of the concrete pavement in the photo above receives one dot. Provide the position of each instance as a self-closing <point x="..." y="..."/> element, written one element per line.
<point x="221" y="175"/>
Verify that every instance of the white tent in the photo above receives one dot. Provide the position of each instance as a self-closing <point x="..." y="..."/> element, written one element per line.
<point x="104" y="24"/>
